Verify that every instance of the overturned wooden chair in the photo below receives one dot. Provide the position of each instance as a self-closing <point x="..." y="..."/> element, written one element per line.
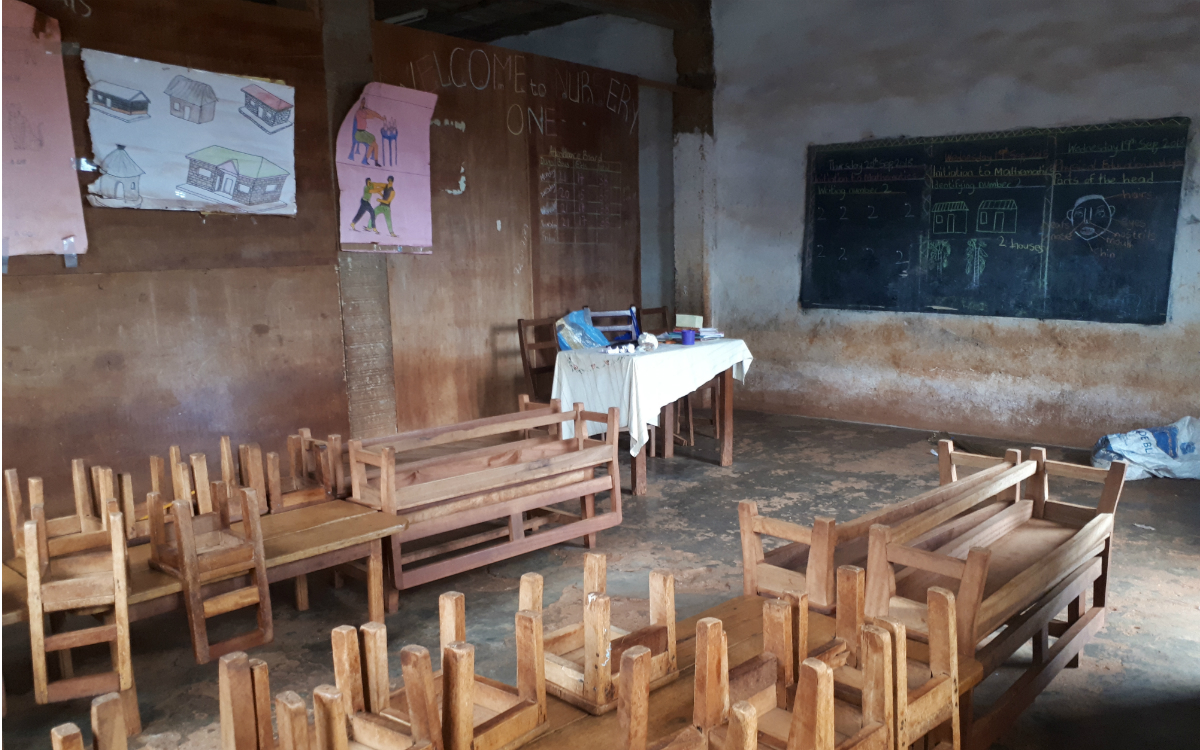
<point x="583" y="659"/>
<point x="190" y="480"/>
<point x="109" y="730"/>
<point x="200" y="549"/>
<point x="806" y="564"/>
<point x="316" y="472"/>
<point x="89" y="488"/>
<point x="87" y="574"/>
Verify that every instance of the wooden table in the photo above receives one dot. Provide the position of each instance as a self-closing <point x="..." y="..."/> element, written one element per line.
<point x="671" y="705"/>
<point x="641" y="384"/>
<point x="296" y="543"/>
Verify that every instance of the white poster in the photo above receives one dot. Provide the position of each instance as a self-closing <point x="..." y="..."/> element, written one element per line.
<point x="180" y="139"/>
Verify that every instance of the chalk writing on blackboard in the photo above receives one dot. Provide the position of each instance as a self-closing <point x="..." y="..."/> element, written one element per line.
<point x="1075" y="223"/>
<point x="580" y="198"/>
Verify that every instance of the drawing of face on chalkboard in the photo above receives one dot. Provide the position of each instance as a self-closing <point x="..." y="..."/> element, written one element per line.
<point x="1090" y="217"/>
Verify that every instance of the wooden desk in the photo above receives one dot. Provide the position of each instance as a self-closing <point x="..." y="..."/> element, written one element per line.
<point x="295" y="543"/>
<point x="671" y="705"/>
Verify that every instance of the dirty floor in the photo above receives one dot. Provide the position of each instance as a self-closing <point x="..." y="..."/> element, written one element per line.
<point x="1138" y="684"/>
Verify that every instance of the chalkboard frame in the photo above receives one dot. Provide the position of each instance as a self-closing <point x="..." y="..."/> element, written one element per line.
<point x="1061" y="282"/>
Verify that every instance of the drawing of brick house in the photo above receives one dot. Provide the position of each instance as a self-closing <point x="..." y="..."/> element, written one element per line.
<point x="235" y="176"/>
<point x="192" y="100"/>
<point x="119" y="101"/>
<point x="950" y="217"/>
<point x="264" y="109"/>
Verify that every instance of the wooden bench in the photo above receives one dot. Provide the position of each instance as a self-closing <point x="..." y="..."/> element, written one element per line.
<point x="479" y="505"/>
<point x="806" y="563"/>
<point x="1016" y="563"/>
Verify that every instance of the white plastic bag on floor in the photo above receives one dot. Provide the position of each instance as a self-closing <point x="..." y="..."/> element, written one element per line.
<point x="1157" y="452"/>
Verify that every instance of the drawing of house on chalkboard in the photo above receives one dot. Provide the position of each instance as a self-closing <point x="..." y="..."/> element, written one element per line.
<point x="120" y="102"/>
<point x="193" y="101"/>
<point x="997" y="216"/>
<point x="950" y="217"/>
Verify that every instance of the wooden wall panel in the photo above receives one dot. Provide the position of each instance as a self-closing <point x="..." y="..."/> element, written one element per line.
<point x="223" y="36"/>
<point x="454" y="313"/>
<point x="112" y="367"/>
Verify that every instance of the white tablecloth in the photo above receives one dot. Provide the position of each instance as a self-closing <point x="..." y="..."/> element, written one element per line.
<point x="642" y="383"/>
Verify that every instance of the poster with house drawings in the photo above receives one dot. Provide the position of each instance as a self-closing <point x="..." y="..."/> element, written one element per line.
<point x="180" y="139"/>
<point x="382" y="157"/>
<point x="43" y="213"/>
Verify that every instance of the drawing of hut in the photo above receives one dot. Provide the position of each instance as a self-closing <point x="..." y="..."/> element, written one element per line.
<point x="264" y="109"/>
<point x="120" y="102"/>
<point x="234" y="177"/>
<point x="950" y="217"/>
<point x="192" y="100"/>
<point x="119" y="183"/>
<point x="998" y="216"/>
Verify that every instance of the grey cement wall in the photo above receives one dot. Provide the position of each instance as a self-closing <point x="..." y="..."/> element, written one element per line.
<point x="639" y="49"/>
<point x="790" y="74"/>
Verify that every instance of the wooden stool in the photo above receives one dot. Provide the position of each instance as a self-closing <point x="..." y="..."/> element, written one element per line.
<point x="85" y="580"/>
<point x="583" y="659"/>
<point x="203" y="550"/>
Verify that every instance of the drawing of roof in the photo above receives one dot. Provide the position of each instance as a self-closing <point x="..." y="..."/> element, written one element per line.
<point x="121" y="92"/>
<point x="950" y="206"/>
<point x="998" y="205"/>
<point x="191" y="91"/>
<point x="245" y="164"/>
<point x="266" y="97"/>
<point x="119" y="164"/>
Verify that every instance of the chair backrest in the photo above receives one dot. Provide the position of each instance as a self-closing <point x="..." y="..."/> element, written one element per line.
<point x="655" y="320"/>
<point x="539" y="347"/>
<point x="621" y="325"/>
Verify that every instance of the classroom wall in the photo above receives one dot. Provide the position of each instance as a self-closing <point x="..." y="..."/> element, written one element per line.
<point x="178" y="327"/>
<point x="629" y="46"/>
<point x="791" y="74"/>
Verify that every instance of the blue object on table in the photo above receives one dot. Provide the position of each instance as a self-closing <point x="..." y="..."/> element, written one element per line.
<point x="575" y="331"/>
<point x="689" y="337"/>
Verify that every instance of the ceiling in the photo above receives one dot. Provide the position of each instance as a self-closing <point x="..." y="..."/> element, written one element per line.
<point x="487" y="20"/>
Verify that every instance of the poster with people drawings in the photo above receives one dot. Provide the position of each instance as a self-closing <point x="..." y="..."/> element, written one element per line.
<point x="382" y="156"/>
<point x="174" y="138"/>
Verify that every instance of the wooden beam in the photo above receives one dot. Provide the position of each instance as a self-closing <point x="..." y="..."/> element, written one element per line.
<point x="671" y="14"/>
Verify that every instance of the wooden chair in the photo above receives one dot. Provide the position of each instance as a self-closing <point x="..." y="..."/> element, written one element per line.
<point x="90" y="514"/>
<point x="193" y="484"/>
<point x="582" y="658"/>
<point x="744" y="709"/>
<point x="91" y="578"/>
<point x="203" y="549"/>
<point x="477" y="712"/>
<point x="244" y="693"/>
<point x="538" y="339"/>
<point x="633" y="708"/>
<point x="660" y="320"/>
<point x="622" y="325"/>
<point x="316" y="472"/>
<point x="109" y="730"/>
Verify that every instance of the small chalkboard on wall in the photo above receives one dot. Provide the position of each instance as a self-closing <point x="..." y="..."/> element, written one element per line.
<point x="1070" y="223"/>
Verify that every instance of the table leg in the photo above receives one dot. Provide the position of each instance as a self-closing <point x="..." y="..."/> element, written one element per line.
<point x="375" y="582"/>
<point x="301" y="582"/>
<point x="669" y="431"/>
<point x="638" y="472"/>
<point x="727" y="417"/>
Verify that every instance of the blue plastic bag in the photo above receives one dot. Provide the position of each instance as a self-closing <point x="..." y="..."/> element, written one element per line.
<point x="575" y="331"/>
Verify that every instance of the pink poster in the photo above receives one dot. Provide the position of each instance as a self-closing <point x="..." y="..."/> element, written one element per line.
<point x="43" y="211"/>
<point x="382" y="154"/>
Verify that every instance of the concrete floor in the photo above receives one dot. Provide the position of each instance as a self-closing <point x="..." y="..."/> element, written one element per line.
<point x="1138" y="684"/>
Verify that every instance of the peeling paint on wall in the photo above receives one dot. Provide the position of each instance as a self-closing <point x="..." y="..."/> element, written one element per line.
<point x="888" y="71"/>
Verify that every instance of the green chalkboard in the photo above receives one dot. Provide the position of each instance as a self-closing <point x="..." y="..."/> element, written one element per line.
<point x="1071" y="223"/>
